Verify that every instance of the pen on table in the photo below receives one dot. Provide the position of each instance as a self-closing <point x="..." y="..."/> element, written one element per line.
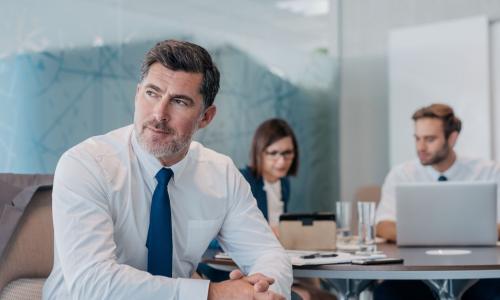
<point x="316" y="255"/>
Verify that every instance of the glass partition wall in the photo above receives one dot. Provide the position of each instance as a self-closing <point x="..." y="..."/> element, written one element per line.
<point x="69" y="69"/>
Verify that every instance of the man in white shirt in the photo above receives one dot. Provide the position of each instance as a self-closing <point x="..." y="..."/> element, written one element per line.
<point x="436" y="132"/>
<point x="111" y="193"/>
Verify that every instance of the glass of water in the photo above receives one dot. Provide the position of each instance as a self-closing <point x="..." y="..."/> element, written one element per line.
<point x="366" y="228"/>
<point x="343" y="219"/>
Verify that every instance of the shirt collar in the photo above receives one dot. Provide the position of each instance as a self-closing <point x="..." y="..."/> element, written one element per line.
<point x="450" y="173"/>
<point x="152" y="165"/>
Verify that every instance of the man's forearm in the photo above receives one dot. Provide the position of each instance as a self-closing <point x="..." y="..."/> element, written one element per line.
<point x="387" y="230"/>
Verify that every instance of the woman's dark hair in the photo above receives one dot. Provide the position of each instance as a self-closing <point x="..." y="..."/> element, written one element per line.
<point x="266" y="134"/>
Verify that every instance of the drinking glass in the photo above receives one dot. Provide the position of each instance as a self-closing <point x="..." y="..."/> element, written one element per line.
<point x="343" y="219"/>
<point x="366" y="227"/>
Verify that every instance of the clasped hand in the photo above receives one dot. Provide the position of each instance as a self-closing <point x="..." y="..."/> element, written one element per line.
<point x="239" y="286"/>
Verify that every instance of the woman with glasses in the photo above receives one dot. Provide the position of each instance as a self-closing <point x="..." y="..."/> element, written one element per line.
<point x="273" y="157"/>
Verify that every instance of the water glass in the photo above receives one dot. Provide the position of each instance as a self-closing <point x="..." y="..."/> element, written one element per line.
<point x="343" y="219"/>
<point x="366" y="227"/>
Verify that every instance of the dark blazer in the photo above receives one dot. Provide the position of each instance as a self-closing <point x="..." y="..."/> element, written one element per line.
<point x="257" y="185"/>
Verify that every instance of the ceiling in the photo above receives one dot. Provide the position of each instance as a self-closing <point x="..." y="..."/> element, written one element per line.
<point x="30" y="25"/>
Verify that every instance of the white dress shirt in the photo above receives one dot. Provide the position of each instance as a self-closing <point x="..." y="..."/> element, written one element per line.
<point x="275" y="205"/>
<point x="101" y="203"/>
<point x="463" y="169"/>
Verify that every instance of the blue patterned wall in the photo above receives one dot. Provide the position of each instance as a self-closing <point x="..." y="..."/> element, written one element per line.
<point x="51" y="101"/>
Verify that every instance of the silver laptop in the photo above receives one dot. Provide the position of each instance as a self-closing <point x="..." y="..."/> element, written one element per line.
<point x="446" y="214"/>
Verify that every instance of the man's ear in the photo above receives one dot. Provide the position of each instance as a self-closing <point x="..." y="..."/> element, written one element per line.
<point x="452" y="139"/>
<point x="208" y="116"/>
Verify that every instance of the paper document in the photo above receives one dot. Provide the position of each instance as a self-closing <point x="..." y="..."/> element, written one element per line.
<point x="303" y="258"/>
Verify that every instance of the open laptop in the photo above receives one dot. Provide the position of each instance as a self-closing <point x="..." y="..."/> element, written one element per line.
<point x="446" y="214"/>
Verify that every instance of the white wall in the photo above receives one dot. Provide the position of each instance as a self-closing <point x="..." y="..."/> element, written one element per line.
<point x="444" y="62"/>
<point x="495" y="86"/>
<point x="364" y="111"/>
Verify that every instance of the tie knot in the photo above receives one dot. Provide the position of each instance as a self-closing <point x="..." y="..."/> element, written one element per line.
<point x="163" y="176"/>
<point x="442" y="178"/>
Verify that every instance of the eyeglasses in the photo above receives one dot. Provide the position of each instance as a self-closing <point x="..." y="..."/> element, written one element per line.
<point x="274" y="155"/>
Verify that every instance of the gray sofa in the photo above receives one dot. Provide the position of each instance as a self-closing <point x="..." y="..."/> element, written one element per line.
<point x="27" y="256"/>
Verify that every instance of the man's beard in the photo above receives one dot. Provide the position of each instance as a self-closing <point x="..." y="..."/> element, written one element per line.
<point x="438" y="157"/>
<point x="156" y="146"/>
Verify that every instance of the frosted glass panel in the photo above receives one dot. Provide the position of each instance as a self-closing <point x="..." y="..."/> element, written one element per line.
<point x="53" y="100"/>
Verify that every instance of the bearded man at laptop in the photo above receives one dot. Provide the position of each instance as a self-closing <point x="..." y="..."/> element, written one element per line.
<point x="436" y="133"/>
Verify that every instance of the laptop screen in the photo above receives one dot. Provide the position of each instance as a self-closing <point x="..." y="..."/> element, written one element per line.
<point x="446" y="214"/>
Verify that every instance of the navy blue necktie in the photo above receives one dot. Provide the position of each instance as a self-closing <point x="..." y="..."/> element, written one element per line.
<point x="159" y="242"/>
<point x="442" y="178"/>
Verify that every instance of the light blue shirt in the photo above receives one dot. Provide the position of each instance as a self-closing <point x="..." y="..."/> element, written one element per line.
<point x="101" y="201"/>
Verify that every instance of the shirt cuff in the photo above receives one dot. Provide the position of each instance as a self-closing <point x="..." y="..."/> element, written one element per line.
<point x="193" y="288"/>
